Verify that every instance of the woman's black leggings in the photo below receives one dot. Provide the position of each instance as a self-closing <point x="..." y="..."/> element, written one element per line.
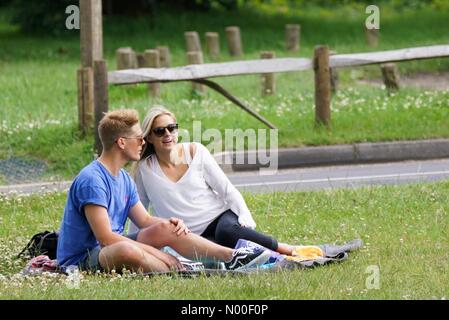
<point x="226" y="231"/>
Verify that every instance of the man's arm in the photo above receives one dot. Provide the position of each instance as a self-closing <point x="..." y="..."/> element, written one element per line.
<point x="98" y="219"/>
<point x="142" y="219"/>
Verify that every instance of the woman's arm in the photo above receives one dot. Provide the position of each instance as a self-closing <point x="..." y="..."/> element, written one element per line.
<point x="144" y="199"/>
<point x="143" y="196"/>
<point x="219" y="182"/>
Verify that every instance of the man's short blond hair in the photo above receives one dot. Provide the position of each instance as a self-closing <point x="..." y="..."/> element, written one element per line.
<point x="115" y="124"/>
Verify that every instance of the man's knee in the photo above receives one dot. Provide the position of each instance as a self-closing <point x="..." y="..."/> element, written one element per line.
<point x="164" y="227"/>
<point x="121" y="251"/>
<point x="160" y="228"/>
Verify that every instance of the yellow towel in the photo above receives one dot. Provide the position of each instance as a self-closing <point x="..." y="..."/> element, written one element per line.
<point x="302" y="253"/>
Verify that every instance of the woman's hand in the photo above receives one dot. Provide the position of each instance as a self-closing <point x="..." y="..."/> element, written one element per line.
<point x="180" y="227"/>
<point x="247" y="221"/>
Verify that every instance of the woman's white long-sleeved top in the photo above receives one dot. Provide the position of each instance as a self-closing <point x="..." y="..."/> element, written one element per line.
<point x="198" y="197"/>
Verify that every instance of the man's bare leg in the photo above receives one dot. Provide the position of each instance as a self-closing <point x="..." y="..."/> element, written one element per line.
<point x="188" y="245"/>
<point x="124" y="254"/>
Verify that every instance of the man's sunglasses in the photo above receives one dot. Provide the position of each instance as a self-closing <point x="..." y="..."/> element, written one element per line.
<point x="160" y="131"/>
<point x="140" y="139"/>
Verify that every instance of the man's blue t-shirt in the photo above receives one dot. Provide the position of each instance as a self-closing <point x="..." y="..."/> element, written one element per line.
<point x="94" y="185"/>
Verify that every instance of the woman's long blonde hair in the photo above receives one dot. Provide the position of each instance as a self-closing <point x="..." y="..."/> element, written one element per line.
<point x="148" y="148"/>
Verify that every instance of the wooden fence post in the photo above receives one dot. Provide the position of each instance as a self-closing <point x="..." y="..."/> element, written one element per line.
<point x="85" y="99"/>
<point x="91" y="49"/>
<point x="192" y="41"/>
<point x="196" y="57"/>
<point x="126" y="58"/>
<point x="292" y="37"/>
<point x="390" y="76"/>
<point x="101" y="98"/>
<point x="334" y="76"/>
<point x="268" y="79"/>
<point x="152" y="61"/>
<point x="234" y="41"/>
<point x="140" y="60"/>
<point x="164" y="56"/>
<point x="372" y="37"/>
<point x="322" y="86"/>
<point x="91" y="32"/>
<point x="213" y="44"/>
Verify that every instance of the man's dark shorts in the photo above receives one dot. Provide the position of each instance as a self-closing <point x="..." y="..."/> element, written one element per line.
<point x="92" y="261"/>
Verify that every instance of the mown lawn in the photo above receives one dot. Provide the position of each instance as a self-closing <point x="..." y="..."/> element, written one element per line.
<point x="38" y="100"/>
<point x="404" y="229"/>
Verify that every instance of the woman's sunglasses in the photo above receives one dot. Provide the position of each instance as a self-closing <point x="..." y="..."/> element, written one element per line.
<point x="160" y="131"/>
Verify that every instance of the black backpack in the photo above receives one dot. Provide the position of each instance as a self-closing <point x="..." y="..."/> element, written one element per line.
<point x="44" y="243"/>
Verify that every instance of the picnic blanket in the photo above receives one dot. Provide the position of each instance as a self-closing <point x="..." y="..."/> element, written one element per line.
<point x="306" y="256"/>
<point x="330" y="253"/>
<point x="302" y="258"/>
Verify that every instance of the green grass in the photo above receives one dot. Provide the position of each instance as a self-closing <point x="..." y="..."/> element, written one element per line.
<point x="38" y="104"/>
<point x="404" y="229"/>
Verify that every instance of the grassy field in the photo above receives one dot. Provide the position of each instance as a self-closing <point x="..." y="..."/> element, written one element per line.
<point x="404" y="229"/>
<point x="38" y="103"/>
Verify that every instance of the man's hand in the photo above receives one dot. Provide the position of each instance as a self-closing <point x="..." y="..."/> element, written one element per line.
<point x="172" y="262"/>
<point x="180" y="227"/>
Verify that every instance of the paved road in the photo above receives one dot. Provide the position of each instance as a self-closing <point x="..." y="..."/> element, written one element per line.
<point x="348" y="176"/>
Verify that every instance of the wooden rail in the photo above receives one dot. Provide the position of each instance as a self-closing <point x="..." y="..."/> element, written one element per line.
<point x="247" y="67"/>
<point x="211" y="70"/>
<point x="322" y="64"/>
<point x="360" y="59"/>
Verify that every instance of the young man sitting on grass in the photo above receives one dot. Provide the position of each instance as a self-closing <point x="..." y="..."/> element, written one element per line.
<point x="103" y="196"/>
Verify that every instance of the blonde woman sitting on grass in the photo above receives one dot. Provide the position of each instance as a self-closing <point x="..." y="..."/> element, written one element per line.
<point x="184" y="181"/>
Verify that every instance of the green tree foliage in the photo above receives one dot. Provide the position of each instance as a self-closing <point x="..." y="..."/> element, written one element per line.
<point x="49" y="15"/>
<point x="399" y="4"/>
<point x="41" y="16"/>
<point x="4" y="2"/>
